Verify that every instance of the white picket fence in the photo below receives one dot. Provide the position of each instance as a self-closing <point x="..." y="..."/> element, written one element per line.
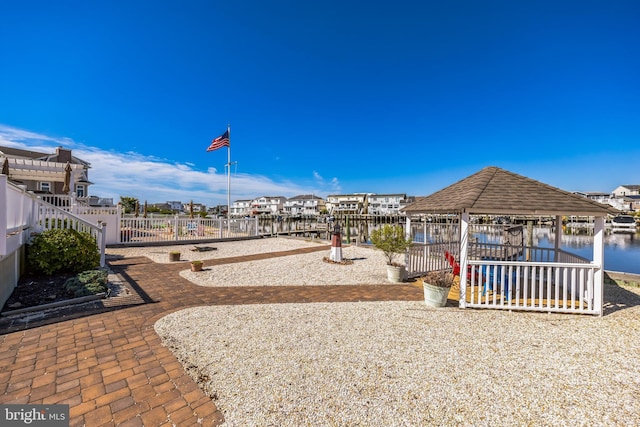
<point x="137" y="230"/>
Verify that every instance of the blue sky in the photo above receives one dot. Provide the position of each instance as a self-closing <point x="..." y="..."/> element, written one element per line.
<point x="325" y="97"/>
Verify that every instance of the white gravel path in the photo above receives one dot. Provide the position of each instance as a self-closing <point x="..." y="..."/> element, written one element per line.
<point x="403" y="364"/>
<point x="160" y="254"/>
<point x="303" y="270"/>
<point x="308" y="269"/>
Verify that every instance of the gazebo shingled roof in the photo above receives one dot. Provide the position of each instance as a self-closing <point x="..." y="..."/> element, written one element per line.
<point x="496" y="191"/>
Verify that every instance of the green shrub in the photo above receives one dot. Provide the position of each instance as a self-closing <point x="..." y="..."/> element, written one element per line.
<point x="87" y="283"/>
<point x="391" y="240"/>
<point x="63" y="251"/>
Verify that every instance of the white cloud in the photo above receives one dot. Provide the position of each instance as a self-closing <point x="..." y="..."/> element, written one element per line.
<point x="150" y="178"/>
<point x="333" y="186"/>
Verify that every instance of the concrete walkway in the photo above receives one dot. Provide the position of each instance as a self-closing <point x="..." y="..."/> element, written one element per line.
<point x="111" y="368"/>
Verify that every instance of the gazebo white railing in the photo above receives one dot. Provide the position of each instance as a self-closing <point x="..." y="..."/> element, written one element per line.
<point x="552" y="279"/>
<point x="510" y="276"/>
<point x="544" y="279"/>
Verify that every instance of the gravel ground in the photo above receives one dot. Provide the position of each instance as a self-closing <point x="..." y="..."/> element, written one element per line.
<point x="403" y="364"/>
<point x="160" y="254"/>
<point x="368" y="265"/>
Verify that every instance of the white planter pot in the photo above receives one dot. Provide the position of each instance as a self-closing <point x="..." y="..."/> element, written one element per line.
<point x="435" y="296"/>
<point x="395" y="274"/>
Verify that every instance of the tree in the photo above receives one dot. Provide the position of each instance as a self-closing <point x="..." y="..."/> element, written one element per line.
<point x="129" y="204"/>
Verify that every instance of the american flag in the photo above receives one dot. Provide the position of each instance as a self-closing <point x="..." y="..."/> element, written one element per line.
<point x="219" y="142"/>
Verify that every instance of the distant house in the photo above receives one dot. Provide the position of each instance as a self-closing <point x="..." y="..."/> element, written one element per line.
<point x="595" y="196"/>
<point x="175" y="206"/>
<point x="44" y="173"/>
<point x="197" y="207"/>
<point x="347" y="203"/>
<point x="628" y="196"/>
<point x="627" y="190"/>
<point x="103" y="202"/>
<point x="217" y="210"/>
<point x="306" y="204"/>
<point x="622" y="198"/>
<point x="241" y="208"/>
<point x="270" y="205"/>
<point x="387" y="204"/>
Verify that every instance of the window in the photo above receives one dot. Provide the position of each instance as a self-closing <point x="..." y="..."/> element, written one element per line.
<point x="80" y="191"/>
<point x="45" y="186"/>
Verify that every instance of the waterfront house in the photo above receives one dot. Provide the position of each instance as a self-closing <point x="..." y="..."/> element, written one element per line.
<point x="241" y="208"/>
<point x="44" y="173"/>
<point x="627" y="190"/>
<point x="621" y="200"/>
<point x="629" y="197"/>
<point x="305" y="204"/>
<point x="269" y="205"/>
<point x="387" y="204"/>
<point x="343" y="204"/>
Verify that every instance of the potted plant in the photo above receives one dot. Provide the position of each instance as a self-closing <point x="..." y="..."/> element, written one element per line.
<point x="436" y="285"/>
<point x="390" y="239"/>
<point x="196" y="265"/>
<point x="174" y="256"/>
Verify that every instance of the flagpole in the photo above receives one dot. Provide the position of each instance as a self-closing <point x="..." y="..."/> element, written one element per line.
<point x="229" y="182"/>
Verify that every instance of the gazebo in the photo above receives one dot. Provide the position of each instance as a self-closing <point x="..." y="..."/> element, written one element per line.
<point x="504" y="273"/>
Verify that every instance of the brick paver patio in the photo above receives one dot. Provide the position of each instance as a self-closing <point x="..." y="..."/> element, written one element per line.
<point x="111" y="368"/>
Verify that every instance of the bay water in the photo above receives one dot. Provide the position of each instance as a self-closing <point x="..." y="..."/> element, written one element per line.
<point x="621" y="248"/>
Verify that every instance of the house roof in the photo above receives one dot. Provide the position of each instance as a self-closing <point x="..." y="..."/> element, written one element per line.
<point x="306" y="197"/>
<point x="497" y="191"/>
<point x="16" y="152"/>
<point x="36" y="155"/>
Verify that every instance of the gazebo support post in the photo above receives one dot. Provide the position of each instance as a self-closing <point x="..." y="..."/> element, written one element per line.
<point x="598" y="259"/>
<point x="464" y="246"/>
<point x="558" y="237"/>
<point x="407" y="227"/>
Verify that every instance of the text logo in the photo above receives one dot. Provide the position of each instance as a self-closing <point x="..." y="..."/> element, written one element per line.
<point x="34" y="415"/>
